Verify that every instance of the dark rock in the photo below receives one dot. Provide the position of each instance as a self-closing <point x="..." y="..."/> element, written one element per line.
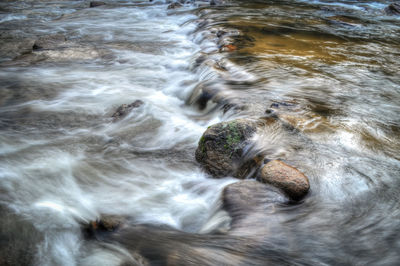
<point x="216" y="2"/>
<point x="96" y="4"/>
<point x="49" y="42"/>
<point x="110" y="223"/>
<point x="174" y="5"/>
<point x="106" y="223"/>
<point x="124" y="109"/>
<point x="285" y="177"/>
<point x="221" y="148"/>
<point x="393" y="9"/>
<point x="283" y="104"/>
<point x="221" y="33"/>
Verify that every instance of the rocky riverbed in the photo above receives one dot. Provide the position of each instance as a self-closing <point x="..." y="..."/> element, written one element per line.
<point x="199" y="132"/>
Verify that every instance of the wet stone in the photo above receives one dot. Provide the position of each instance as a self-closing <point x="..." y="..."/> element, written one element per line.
<point x="222" y="145"/>
<point x="96" y="4"/>
<point x="174" y="5"/>
<point x="393" y="9"/>
<point x="105" y="224"/>
<point x="249" y="203"/>
<point x="216" y="2"/>
<point x="286" y="178"/>
<point x="124" y="109"/>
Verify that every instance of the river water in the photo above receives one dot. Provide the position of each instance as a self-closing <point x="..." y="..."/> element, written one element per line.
<point x="330" y="67"/>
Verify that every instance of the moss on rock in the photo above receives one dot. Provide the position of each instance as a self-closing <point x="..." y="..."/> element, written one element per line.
<point x="221" y="147"/>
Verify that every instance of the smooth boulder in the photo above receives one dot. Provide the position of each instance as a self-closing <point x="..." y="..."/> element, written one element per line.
<point x="286" y="178"/>
<point x="221" y="148"/>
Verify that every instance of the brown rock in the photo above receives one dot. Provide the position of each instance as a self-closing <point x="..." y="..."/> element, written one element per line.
<point x="285" y="177"/>
<point x="110" y="223"/>
<point x="229" y="48"/>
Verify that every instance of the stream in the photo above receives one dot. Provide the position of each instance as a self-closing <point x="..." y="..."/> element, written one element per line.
<point x="331" y="67"/>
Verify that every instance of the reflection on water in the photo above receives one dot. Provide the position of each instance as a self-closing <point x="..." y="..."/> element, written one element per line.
<point x="329" y="69"/>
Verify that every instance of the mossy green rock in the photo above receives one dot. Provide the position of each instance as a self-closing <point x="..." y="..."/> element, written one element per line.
<point x="221" y="148"/>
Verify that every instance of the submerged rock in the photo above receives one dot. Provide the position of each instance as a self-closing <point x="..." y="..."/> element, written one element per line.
<point x="49" y="42"/>
<point x="12" y="46"/>
<point x="249" y="204"/>
<point x="96" y="4"/>
<point x="107" y="225"/>
<point x="285" y="177"/>
<point x="393" y="9"/>
<point x="246" y="196"/>
<point x="124" y="109"/>
<point x="221" y="148"/>
<point x="216" y="2"/>
<point x="174" y="5"/>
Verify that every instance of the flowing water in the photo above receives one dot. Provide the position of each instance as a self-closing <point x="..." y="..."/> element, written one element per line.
<point x="330" y="67"/>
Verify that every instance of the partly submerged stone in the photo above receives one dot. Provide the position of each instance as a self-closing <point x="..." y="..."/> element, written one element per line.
<point x="174" y="5"/>
<point x="249" y="203"/>
<point x="393" y="9"/>
<point x="248" y="196"/>
<point x="216" y="2"/>
<point x="124" y="109"/>
<point x="106" y="223"/>
<point x="96" y="4"/>
<point x="285" y="177"/>
<point x="222" y="145"/>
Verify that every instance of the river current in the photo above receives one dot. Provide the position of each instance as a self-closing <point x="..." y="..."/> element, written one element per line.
<point x="333" y="66"/>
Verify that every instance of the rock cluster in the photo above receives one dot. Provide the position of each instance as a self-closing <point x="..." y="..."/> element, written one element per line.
<point x="221" y="152"/>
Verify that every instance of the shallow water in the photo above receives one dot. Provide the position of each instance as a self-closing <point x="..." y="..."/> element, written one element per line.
<point x="64" y="161"/>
